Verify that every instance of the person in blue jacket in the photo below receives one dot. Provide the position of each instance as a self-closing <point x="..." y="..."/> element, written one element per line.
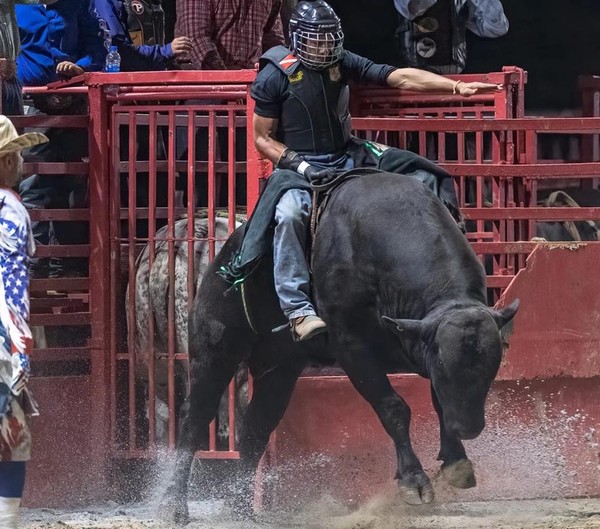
<point x="57" y="41"/>
<point x="112" y="16"/>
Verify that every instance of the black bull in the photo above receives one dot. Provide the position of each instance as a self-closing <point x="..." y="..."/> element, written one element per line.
<point x="401" y="291"/>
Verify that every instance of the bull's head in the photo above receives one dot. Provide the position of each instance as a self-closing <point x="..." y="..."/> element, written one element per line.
<point x="463" y="348"/>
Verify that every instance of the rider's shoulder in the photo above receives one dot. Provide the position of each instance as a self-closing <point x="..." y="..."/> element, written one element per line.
<point x="280" y="58"/>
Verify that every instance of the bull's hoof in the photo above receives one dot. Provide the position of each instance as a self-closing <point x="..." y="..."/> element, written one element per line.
<point x="416" y="489"/>
<point x="173" y="513"/>
<point x="459" y="474"/>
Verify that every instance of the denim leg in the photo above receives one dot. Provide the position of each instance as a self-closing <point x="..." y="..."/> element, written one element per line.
<point x="292" y="278"/>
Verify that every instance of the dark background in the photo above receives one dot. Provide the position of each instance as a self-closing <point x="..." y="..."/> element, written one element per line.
<point x="554" y="40"/>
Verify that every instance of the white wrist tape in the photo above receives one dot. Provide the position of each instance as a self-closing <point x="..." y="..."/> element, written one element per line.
<point x="302" y="167"/>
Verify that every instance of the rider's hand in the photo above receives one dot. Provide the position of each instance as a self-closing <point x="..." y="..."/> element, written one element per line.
<point x="181" y="45"/>
<point x="319" y="176"/>
<point x="471" y="89"/>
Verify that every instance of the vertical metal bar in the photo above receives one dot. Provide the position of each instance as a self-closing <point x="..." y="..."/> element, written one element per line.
<point x="480" y="182"/>
<point x="231" y="165"/>
<point x="114" y="184"/>
<point x="102" y="358"/>
<point x="131" y="240"/>
<point x="231" y="414"/>
<point x="212" y="137"/>
<point x="212" y="132"/>
<point x="191" y="231"/>
<point x="531" y="145"/>
<point x="191" y="225"/>
<point x="422" y="143"/>
<point x="150" y="355"/>
<point x="171" y="272"/>
<point x="441" y="136"/>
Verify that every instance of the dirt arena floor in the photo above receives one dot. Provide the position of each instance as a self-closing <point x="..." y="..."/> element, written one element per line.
<point x="381" y="513"/>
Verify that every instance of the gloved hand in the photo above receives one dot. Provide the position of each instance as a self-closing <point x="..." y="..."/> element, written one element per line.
<point x="319" y="176"/>
<point x="292" y="160"/>
<point x="20" y="372"/>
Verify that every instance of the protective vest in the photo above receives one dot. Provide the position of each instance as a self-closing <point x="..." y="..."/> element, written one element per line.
<point x="146" y="22"/>
<point x="315" y="116"/>
<point x="436" y="39"/>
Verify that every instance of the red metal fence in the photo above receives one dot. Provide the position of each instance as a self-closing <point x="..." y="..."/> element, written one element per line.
<point x="166" y="145"/>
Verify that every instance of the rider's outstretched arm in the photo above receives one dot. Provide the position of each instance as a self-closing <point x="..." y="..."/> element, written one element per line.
<point x="416" y="80"/>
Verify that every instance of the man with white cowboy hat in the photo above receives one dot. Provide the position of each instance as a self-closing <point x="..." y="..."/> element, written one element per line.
<point x="16" y="247"/>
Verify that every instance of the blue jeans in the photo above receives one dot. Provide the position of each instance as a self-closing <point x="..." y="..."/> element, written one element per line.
<point x="292" y="278"/>
<point x="12" y="479"/>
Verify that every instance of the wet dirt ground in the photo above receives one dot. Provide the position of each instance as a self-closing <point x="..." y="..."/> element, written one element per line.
<point x="383" y="512"/>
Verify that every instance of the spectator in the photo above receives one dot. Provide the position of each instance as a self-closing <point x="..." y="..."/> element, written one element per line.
<point x="60" y="41"/>
<point x="431" y="33"/>
<point x="113" y="18"/>
<point x="226" y="35"/>
<point x="229" y="34"/>
<point x="16" y="246"/>
<point x="12" y="97"/>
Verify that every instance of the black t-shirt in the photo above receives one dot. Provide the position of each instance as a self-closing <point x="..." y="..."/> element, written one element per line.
<point x="271" y="84"/>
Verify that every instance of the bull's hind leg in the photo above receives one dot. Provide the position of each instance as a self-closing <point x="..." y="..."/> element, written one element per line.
<point x="371" y="382"/>
<point x="209" y="379"/>
<point x="457" y="469"/>
<point x="271" y="395"/>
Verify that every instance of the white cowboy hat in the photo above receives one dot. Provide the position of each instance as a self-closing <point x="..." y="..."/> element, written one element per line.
<point x="11" y="141"/>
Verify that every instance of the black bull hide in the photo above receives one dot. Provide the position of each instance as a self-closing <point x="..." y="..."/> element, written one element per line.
<point x="401" y="291"/>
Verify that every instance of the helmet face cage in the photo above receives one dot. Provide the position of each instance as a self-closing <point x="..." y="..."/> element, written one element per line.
<point x="318" y="49"/>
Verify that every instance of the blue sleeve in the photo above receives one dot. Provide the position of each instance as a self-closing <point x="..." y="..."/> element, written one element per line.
<point x="141" y="58"/>
<point x="91" y="43"/>
<point x="158" y="54"/>
<point x="365" y="71"/>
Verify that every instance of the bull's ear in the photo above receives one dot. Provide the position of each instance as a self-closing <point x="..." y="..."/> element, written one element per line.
<point x="506" y="314"/>
<point x="405" y="328"/>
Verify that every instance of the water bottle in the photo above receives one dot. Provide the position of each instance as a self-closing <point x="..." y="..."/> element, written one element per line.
<point x="113" y="61"/>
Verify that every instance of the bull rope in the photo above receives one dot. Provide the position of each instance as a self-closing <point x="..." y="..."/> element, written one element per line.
<point x="245" y="304"/>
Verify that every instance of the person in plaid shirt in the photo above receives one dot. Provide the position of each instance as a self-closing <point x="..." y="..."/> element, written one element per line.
<point x="228" y="34"/>
<point x="16" y="247"/>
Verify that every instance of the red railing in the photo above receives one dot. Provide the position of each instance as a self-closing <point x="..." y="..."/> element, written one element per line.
<point x="148" y="150"/>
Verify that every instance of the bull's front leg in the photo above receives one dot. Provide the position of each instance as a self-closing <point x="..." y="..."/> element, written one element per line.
<point x="371" y="382"/>
<point x="457" y="469"/>
<point x="208" y="380"/>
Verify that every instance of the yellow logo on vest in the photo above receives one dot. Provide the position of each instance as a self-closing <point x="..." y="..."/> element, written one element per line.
<point x="296" y="77"/>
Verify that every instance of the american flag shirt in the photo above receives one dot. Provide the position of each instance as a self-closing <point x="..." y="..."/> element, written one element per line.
<point x="16" y="248"/>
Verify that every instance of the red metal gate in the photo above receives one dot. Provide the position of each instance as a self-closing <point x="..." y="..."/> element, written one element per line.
<point x="169" y="159"/>
<point x="132" y="182"/>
